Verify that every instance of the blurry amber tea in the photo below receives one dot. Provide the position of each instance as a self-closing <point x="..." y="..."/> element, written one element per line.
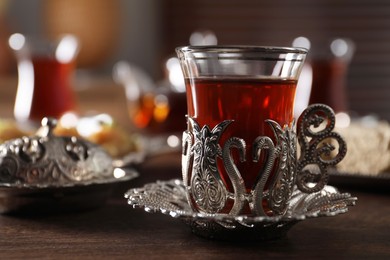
<point x="157" y="113"/>
<point x="240" y="103"/>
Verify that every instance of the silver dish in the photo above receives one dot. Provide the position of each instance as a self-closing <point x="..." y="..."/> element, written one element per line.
<point x="44" y="172"/>
<point x="168" y="197"/>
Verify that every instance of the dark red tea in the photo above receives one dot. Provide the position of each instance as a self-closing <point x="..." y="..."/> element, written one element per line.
<point x="53" y="94"/>
<point x="249" y="102"/>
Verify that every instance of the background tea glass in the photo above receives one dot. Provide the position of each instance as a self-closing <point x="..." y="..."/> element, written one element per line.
<point x="232" y="92"/>
<point x="156" y="109"/>
<point x="45" y="69"/>
<point x="330" y="61"/>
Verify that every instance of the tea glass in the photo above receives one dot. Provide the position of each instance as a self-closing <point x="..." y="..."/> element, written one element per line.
<point x="239" y="149"/>
<point x="156" y="111"/>
<point x="330" y="63"/>
<point x="45" y="70"/>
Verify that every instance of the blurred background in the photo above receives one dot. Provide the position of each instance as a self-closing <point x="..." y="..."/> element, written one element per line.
<point x="145" y="33"/>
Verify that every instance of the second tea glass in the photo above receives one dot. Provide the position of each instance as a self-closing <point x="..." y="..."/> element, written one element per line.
<point x="45" y="71"/>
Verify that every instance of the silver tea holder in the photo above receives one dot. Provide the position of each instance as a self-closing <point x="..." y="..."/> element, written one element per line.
<point x="206" y="187"/>
<point x="247" y="170"/>
<point x="297" y="191"/>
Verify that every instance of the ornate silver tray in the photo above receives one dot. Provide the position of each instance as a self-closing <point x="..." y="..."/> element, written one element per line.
<point x="169" y="197"/>
<point x="44" y="172"/>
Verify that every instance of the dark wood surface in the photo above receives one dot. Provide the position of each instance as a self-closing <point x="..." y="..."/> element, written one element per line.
<point x="116" y="230"/>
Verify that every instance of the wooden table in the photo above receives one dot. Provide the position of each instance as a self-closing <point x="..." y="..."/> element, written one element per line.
<point x="118" y="231"/>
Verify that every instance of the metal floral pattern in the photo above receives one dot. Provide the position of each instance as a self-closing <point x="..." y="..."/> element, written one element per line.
<point x="206" y="185"/>
<point x="284" y="178"/>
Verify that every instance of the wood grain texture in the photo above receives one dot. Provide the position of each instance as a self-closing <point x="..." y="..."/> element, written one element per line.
<point x="116" y="231"/>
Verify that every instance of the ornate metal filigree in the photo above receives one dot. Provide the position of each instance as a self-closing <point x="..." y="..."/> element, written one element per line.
<point x="206" y="186"/>
<point x="45" y="160"/>
<point x="318" y="144"/>
<point x="237" y="181"/>
<point x="280" y="157"/>
<point x="206" y="189"/>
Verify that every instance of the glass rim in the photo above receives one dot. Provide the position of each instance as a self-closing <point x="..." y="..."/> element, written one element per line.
<point x="241" y="49"/>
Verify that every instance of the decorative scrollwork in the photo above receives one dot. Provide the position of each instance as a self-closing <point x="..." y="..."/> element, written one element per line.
<point x="206" y="187"/>
<point x="317" y="147"/>
<point x="207" y="192"/>
<point x="234" y="174"/>
<point x="262" y="143"/>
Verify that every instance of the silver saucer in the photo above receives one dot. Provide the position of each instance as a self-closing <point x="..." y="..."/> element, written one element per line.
<point x="168" y="197"/>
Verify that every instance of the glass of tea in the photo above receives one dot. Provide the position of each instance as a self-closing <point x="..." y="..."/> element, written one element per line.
<point x="330" y="61"/>
<point x="45" y="69"/>
<point x="239" y="150"/>
<point x="156" y="110"/>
